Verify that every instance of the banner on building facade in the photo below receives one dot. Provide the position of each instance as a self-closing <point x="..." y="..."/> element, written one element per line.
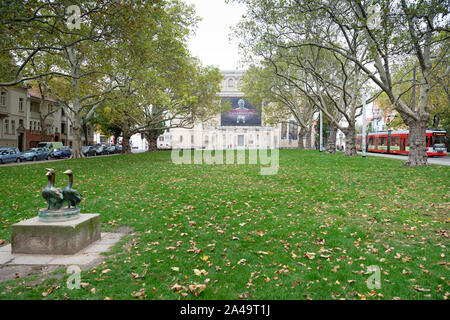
<point x="242" y="113"/>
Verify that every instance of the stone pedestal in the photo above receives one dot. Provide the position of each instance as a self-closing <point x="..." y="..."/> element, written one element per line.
<point x="37" y="237"/>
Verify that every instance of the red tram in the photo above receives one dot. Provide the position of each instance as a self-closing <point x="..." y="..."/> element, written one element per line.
<point x="396" y="142"/>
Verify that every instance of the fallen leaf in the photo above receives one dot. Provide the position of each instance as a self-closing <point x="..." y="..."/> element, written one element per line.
<point x="309" y="255"/>
<point x="197" y="288"/>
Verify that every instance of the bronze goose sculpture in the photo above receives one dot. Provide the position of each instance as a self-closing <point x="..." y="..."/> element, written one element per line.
<point x="73" y="197"/>
<point x="53" y="195"/>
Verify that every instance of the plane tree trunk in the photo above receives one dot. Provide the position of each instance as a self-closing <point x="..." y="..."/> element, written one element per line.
<point x="417" y="142"/>
<point x="330" y="146"/>
<point x="152" y="140"/>
<point x="301" y="133"/>
<point x="350" y="146"/>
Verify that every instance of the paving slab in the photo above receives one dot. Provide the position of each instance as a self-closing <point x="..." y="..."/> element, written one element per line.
<point x="76" y="259"/>
<point x="6" y="248"/>
<point x="83" y="257"/>
<point x="13" y="265"/>
<point x="5" y="257"/>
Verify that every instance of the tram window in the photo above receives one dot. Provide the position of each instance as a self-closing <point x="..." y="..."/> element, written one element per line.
<point x="395" y="141"/>
<point x="383" y="141"/>
<point x="439" y="139"/>
<point x="428" y="141"/>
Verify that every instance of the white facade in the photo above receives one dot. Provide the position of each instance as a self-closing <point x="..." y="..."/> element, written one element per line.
<point x="212" y="135"/>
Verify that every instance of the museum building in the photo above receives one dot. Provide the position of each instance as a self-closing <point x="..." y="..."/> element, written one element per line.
<point x="241" y="127"/>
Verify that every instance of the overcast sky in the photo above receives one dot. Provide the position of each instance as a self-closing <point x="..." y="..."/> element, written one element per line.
<point x="211" y="42"/>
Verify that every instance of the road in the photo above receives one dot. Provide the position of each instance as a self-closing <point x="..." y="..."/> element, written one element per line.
<point x="24" y="163"/>
<point x="443" y="161"/>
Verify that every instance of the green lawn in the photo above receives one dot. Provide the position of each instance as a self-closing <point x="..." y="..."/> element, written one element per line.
<point x="309" y="231"/>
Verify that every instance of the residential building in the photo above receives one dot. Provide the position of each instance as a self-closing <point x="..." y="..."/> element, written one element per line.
<point x="21" y="111"/>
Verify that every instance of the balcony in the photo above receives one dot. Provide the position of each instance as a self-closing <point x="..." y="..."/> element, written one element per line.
<point x="3" y="112"/>
<point x="35" y="115"/>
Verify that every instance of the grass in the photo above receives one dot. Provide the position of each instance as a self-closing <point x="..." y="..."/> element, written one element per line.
<point x="226" y="232"/>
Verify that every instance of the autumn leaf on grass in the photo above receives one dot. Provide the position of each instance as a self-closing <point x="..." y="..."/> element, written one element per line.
<point x="309" y="255"/>
<point x="245" y="295"/>
<point x="197" y="288"/>
<point x="202" y="272"/>
<point x="204" y="258"/>
<point x="406" y="259"/>
<point x="139" y="294"/>
<point x="242" y="261"/>
<point x="47" y="292"/>
<point x="175" y="269"/>
<point x="417" y="288"/>
<point x="177" y="287"/>
<point x="106" y="271"/>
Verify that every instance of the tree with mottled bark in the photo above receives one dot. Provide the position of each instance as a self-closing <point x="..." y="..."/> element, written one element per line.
<point x="280" y="100"/>
<point x="391" y="30"/>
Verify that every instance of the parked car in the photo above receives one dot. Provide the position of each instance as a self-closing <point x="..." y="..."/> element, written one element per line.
<point x="88" y="151"/>
<point x="50" y="145"/>
<point x="60" y="153"/>
<point x="101" y="150"/>
<point x="113" y="149"/>
<point x="119" y="148"/>
<point x="34" y="154"/>
<point x="10" y="155"/>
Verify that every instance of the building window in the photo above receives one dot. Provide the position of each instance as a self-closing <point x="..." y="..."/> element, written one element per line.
<point x="20" y="123"/>
<point x="31" y="125"/>
<point x="13" y="126"/>
<point x="230" y="83"/>
<point x="20" y="104"/>
<point x="181" y="138"/>
<point x="192" y="139"/>
<point x="3" y="99"/>
<point x="293" y="129"/>
<point x="6" y="126"/>
<point x="284" y="131"/>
